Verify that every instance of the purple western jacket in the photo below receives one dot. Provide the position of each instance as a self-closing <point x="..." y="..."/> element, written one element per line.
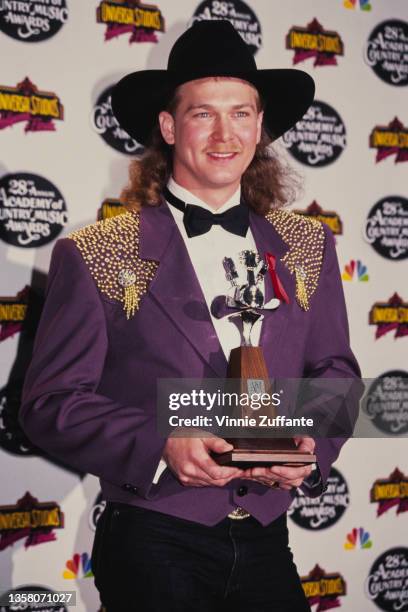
<point x="90" y="391"/>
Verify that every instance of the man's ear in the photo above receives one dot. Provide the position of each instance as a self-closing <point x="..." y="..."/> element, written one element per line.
<point x="259" y="127"/>
<point x="166" y="122"/>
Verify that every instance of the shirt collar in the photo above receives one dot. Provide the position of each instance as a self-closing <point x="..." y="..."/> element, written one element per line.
<point x="190" y="198"/>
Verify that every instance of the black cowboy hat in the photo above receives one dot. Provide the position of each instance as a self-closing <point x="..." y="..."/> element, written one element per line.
<point x="210" y="48"/>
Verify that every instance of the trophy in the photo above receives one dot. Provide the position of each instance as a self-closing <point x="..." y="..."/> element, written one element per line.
<point x="247" y="368"/>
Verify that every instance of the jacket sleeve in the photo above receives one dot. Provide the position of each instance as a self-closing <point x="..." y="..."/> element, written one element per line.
<point x="329" y="356"/>
<point x="61" y="411"/>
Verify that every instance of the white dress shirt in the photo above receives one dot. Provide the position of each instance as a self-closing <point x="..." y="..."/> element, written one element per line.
<point x="206" y="253"/>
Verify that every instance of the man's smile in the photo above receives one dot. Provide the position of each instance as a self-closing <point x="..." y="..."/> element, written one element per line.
<point x="226" y="156"/>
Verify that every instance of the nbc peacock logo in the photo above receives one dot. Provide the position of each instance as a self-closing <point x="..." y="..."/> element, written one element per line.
<point x="358" y="538"/>
<point x="78" y="567"/>
<point x="355" y="270"/>
<point x="365" y="5"/>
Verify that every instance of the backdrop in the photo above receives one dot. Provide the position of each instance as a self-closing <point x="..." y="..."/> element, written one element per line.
<point x="64" y="161"/>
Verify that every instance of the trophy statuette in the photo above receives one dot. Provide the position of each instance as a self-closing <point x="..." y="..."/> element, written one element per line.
<point x="247" y="368"/>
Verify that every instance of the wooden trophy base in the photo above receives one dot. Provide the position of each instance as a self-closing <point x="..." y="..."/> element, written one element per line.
<point x="247" y="363"/>
<point x="264" y="452"/>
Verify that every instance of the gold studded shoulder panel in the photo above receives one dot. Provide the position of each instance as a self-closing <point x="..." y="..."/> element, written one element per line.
<point x="305" y="239"/>
<point x="110" y="249"/>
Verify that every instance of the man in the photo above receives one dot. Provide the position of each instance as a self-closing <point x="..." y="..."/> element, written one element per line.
<point x="130" y="301"/>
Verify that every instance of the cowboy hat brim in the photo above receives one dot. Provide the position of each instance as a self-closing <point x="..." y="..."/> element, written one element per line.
<point x="139" y="97"/>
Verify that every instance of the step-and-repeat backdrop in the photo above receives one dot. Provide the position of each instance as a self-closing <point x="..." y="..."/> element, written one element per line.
<point x="64" y="161"/>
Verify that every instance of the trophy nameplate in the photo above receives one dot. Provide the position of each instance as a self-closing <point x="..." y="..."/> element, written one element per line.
<point x="247" y="369"/>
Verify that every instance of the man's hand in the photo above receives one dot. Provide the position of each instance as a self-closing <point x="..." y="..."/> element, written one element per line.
<point x="284" y="476"/>
<point x="190" y="461"/>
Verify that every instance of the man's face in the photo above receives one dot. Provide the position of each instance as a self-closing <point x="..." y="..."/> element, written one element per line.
<point x="214" y="129"/>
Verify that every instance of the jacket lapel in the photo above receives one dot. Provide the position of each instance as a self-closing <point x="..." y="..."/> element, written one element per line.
<point x="175" y="287"/>
<point x="275" y="322"/>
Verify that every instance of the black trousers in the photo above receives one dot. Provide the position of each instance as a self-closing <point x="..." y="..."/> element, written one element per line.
<point x="146" y="561"/>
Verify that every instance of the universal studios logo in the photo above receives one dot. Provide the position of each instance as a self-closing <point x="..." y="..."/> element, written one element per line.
<point x="27" y="103"/>
<point x="132" y="17"/>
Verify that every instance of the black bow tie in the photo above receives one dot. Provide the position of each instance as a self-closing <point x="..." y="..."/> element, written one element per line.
<point x="198" y="220"/>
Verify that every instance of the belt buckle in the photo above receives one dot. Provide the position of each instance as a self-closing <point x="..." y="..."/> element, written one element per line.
<point x="238" y="514"/>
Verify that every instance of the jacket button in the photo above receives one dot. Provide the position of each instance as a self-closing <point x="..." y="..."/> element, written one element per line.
<point x="242" y="491"/>
<point x="134" y="490"/>
<point x="127" y="487"/>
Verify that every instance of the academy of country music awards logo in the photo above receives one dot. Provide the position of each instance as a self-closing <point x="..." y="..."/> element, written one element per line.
<point x="141" y="21"/>
<point x="29" y="520"/>
<point x="319" y="138"/>
<point x="96" y="511"/>
<point x="386" y="227"/>
<point x="32" y="210"/>
<point x="386" y="402"/>
<point x="386" y="51"/>
<point x="107" y="126"/>
<point x="238" y="13"/>
<point x="391" y="492"/>
<point x="316" y="513"/>
<point x="391" y="139"/>
<point x="314" y="41"/>
<point x="387" y="582"/>
<point x="27" y="103"/>
<point x="323" y="589"/>
<point x="390" y="316"/>
<point x="32" y="20"/>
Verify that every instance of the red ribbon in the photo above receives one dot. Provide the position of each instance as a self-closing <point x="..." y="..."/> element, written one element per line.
<point x="278" y="289"/>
